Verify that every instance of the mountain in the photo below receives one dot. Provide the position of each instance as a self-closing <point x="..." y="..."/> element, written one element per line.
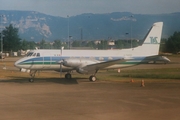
<point x="36" y="26"/>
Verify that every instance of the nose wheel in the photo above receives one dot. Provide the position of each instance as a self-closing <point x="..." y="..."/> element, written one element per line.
<point x="31" y="80"/>
<point x="32" y="74"/>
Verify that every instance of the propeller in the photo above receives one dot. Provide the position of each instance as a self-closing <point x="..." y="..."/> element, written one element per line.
<point x="61" y="62"/>
<point x="60" y="70"/>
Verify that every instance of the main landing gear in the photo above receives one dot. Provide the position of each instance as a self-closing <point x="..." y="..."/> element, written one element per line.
<point x="68" y="76"/>
<point x="91" y="78"/>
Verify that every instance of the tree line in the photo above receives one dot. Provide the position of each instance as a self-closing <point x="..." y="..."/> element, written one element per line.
<point x="12" y="42"/>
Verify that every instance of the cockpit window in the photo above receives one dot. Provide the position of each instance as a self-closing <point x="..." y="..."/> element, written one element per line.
<point x="29" y="54"/>
<point x="33" y="54"/>
<point x="38" y="54"/>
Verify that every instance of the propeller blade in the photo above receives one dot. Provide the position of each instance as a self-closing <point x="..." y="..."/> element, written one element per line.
<point x="60" y="69"/>
<point x="61" y="62"/>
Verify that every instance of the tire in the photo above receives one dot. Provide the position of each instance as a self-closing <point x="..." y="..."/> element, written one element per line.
<point x="68" y="76"/>
<point x="92" y="78"/>
<point x="31" y="80"/>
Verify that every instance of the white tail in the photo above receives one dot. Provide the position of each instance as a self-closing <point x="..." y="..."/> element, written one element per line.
<point x="152" y="40"/>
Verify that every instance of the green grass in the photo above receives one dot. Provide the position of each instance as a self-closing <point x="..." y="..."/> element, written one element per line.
<point x="167" y="73"/>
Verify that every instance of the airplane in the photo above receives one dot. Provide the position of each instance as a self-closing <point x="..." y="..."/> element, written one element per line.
<point x="91" y="61"/>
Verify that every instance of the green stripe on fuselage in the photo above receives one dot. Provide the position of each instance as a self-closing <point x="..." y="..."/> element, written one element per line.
<point x="39" y="63"/>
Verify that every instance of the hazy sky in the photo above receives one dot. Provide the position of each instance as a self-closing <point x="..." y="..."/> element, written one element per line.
<point x="74" y="7"/>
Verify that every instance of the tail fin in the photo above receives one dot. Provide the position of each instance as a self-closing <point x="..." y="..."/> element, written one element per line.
<point x="152" y="39"/>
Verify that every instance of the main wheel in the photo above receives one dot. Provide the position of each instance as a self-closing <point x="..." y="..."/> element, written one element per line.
<point x="68" y="76"/>
<point x="92" y="78"/>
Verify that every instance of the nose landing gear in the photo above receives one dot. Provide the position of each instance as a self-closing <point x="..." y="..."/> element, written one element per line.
<point x="32" y="74"/>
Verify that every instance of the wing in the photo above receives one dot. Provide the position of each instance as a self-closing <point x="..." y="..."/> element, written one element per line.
<point x="101" y="65"/>
<point x="84" y="65"/>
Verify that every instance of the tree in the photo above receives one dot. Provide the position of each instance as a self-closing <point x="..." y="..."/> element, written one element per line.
<point x="57" y="44"/>
<point x="173" y="43"/>
<point x="31" y="45"/>
<point x="76" y="43"/>
<point x="91" y="44"/>
<point x="119" y="44"/>
<point x="103" y="44"/>
<point x="11" y="39"/>
<point x="25" y="45"/>
<point x="42" y="44"/>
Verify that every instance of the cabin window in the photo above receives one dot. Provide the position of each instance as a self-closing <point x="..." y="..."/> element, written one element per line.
<point x="38" y="54"/>
<point x="34" y="54"/>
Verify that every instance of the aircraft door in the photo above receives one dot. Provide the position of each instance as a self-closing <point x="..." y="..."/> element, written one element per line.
<point x="47" y="62"/>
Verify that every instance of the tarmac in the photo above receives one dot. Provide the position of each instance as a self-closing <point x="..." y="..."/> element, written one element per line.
<point x="79" y="99"/>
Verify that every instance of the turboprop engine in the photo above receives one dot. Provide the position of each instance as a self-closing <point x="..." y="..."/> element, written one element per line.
<point x="82" y="71"/>
<point x="79" y="63"/>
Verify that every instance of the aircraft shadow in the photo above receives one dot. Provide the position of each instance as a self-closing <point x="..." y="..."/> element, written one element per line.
<point x="24" y="80"/>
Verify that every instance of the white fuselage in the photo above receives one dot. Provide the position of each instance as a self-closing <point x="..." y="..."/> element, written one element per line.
<point x="51" y="59"/>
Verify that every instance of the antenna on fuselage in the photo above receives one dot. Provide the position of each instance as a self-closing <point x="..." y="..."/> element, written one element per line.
<point x="62" y="48"/>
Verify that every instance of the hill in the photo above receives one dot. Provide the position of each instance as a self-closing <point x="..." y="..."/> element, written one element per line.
<point x="118" y="25"/>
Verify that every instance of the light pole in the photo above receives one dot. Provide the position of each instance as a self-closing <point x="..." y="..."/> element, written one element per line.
<point x="70" y="42"/>
<point x="1" y="39"/>
<point x="81" y="36"/>
<point x="68" y="32"/>
<point x="131" y="29"/>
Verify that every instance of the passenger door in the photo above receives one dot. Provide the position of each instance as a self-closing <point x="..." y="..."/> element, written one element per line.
<point x="47" y="62"/>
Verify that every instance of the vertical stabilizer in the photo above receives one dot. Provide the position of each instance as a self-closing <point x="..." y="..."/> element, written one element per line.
<point x="152" y="39"/>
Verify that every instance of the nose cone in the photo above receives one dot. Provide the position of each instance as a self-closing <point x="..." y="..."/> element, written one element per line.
<point x="20" y="63"/>
<point x="17" y="64"/>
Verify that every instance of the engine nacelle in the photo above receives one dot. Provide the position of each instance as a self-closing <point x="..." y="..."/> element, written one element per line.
<point x="81" y="71"/>
<point x="78" y="62"/>
<point x="85" y="71"/>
